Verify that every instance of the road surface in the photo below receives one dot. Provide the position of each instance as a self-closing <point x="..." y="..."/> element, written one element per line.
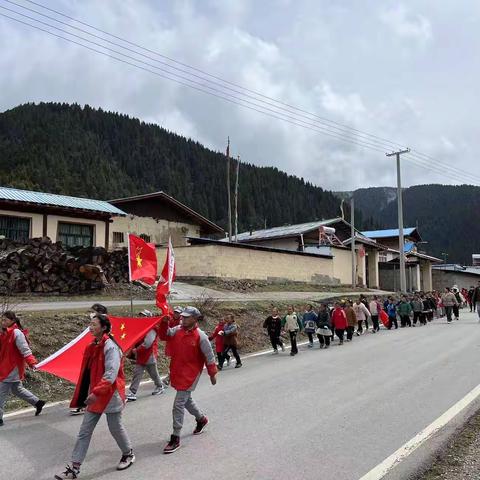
<point x="324" y="414"/>
<point x="184" y="292"/>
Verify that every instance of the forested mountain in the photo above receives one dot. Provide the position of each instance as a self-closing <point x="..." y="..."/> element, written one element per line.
<point x="447" y="216"/>
<point x="81" y="151"/>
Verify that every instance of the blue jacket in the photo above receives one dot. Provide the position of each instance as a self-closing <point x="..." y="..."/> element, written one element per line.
<point x="309" y="321"/>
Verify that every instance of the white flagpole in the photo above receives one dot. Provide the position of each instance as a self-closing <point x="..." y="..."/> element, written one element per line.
<point x="130" y="274"/>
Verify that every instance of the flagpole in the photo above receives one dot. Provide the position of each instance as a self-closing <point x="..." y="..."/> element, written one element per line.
<point x="236" y="198"/>
<point x="130" y="275"/>
<point x="229" y="201"/>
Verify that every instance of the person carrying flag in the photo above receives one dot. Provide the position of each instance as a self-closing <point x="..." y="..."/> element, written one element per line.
<point x="190" y="350"/>
<point x="146" y="355"/>
<point x="174" y="320"/>
<point x="101" y="389"/>
<point x="15" y="352"/>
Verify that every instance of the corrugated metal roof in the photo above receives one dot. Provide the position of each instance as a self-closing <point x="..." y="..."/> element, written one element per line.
<point x="285" y="231"/>
<point x="27" y="196"/>
<point x="388" y="233"/>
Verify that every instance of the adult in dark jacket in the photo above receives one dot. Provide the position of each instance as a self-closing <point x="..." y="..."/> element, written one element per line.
<point x="273" y="326"/>
<point x="476" y="299"/>
<point x="324" y="326"/>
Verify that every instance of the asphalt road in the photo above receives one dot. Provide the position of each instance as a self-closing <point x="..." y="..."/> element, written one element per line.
<point x="331" y="414"/>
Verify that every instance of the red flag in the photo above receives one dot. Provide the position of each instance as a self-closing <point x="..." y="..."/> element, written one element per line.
<point x="142" y="259"/>
<point x="66" y="362"/>
<point x="168" y="276"/>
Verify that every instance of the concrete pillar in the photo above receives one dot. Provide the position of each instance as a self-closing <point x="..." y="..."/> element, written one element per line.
<point x="373" y="276"/>
<point x="361" y="270"/>
<point x="417" y="279"/>
<point x="427" y="276"/>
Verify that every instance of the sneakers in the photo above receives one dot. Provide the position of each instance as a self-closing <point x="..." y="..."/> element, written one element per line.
<point x="327" y="346"/>
<point x="77" y="411"/>
<point x="238" y="365"/>
<point x="131" y="397"/>
<point x="159" y="390"/>
<point x="126" y="461"/>
<point x="201" y="424"/>
<point x="173" y="445"/>
<point x="275" y="352"/>
<point x="39" y="407"/>
<point x="228" y="361"/>
<point x="70" y="472"/>
<point x="321" y="345"/>
<point x="310" y="345"/>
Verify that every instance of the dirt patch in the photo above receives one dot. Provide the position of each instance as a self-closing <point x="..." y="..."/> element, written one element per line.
<point x="246" y="286"/>
<point x="460" y="459"/>
<point x="49" y="331"/>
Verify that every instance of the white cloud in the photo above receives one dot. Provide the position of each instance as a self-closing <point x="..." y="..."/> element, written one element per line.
<point x="406" y="24"/>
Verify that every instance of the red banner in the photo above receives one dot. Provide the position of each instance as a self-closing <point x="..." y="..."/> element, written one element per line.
<point x="142" y="260"/>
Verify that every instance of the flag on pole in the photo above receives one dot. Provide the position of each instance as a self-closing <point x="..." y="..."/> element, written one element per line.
<point x="67" y="361"/>
<point x="142" y="258"/>
<point x="168" y="276"/>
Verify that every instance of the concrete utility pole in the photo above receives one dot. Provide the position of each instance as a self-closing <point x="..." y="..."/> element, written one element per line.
<point x="444" y="255"/>
<point x="352" y="235"/>
<point x="236" y="197"/>
<point x="401" y="241"/>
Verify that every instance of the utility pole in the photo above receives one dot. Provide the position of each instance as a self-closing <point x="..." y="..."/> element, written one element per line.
<point x="229" y="200"/>
<point x="401" y="241"/>
<point x="236" y="198"/>
<point x="352" y="234"/>
<point x="444" y="255"/>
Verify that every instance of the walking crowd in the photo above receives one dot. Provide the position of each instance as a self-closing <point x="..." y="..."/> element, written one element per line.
<point x="101" y="389"/>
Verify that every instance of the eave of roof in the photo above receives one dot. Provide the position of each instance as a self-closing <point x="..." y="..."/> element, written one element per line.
<point x="161" y="194"/>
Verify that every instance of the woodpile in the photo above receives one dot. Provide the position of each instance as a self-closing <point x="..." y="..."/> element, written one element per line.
<point x="41" y="266"/>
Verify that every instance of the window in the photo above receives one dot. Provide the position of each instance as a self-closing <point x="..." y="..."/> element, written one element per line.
<point x="73" y="235"/>
<point x="15" y="228"/>
<point x="118" y="237"/>
<point x="145" y="237"/>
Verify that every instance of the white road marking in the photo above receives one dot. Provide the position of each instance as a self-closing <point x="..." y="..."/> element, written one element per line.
<point x="405" y="450"/>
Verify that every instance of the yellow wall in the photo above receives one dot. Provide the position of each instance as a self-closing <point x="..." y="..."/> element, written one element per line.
<point x="342" y="265"/>
<point x="36" y="221"/>
<point x="98" y="231"/>
<point x="241" y="263"/>
<point x="158" y="230"/>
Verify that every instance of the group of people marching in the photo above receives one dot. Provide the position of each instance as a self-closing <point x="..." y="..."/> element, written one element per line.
<point x="346" y="319"/>
<point x="100" y="388"/>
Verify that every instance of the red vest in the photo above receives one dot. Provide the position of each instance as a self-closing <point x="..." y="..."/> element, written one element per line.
<point x="143" y="354"/>
<point x="10" y="357"/>
<point x="187" y="357"/>
<point x="91" y="381"/>
<point x="218" y="338"/>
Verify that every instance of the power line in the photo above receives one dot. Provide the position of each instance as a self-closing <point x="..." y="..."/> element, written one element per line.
<point x="277" y="113"/>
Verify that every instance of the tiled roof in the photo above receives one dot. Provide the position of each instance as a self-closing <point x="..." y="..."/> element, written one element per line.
<point x="26" y="196"/>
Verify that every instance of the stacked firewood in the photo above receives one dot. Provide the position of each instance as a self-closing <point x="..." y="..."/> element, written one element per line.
<point x="42" y="266"/>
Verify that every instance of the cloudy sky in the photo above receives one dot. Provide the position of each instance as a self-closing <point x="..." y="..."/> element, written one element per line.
<point x="403" y="71"/>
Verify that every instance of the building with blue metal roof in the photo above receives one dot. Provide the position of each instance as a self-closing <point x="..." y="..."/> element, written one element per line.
<point x="74" y="221"/>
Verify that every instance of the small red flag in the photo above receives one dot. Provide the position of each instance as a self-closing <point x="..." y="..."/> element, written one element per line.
<point x="67" y="361"/>
<point x="169" y="273"/>
<point x="142" y="259"/>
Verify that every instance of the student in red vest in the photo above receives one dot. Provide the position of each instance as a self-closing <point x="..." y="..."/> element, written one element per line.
<point x="101" y="388"/>
<point x="175" y="319"/>
<point x="218" y="336"/>
<point x="339" y="321"/>
<point x="146" y="355"/>
<point x="14" y="354"/>
<point x="190" y="351"/>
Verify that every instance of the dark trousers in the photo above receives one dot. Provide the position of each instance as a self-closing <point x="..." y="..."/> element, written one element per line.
<point x="456" y="311"/>
<point x="448" y="311"/>
<point x="392" y="321"/>
<point x="360" y="326"/>
<point x="376" y="325"/>
<point x="340" y="332"/>
<point x="275" y="341"/>
<point x="417" y="316"/>
<point x="350" y="331"/>
<point x="310" y="336"/>
<point x="324" y="340"/>
<point x="405" y="320"/>
<point x="234" y="353"/>
<point x="221" y="356"/>
<point x="472" y="306"/>
<point x="293" y="342"/>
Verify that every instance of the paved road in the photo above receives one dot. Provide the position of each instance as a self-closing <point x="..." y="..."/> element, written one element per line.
<point x="183" y="293"/>
<point x="331" y="414"/>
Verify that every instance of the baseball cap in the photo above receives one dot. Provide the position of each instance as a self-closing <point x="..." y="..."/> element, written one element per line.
<point x="146" y="313"/>
<point x="190" y="312"/>
<point x="178" y="309"/>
